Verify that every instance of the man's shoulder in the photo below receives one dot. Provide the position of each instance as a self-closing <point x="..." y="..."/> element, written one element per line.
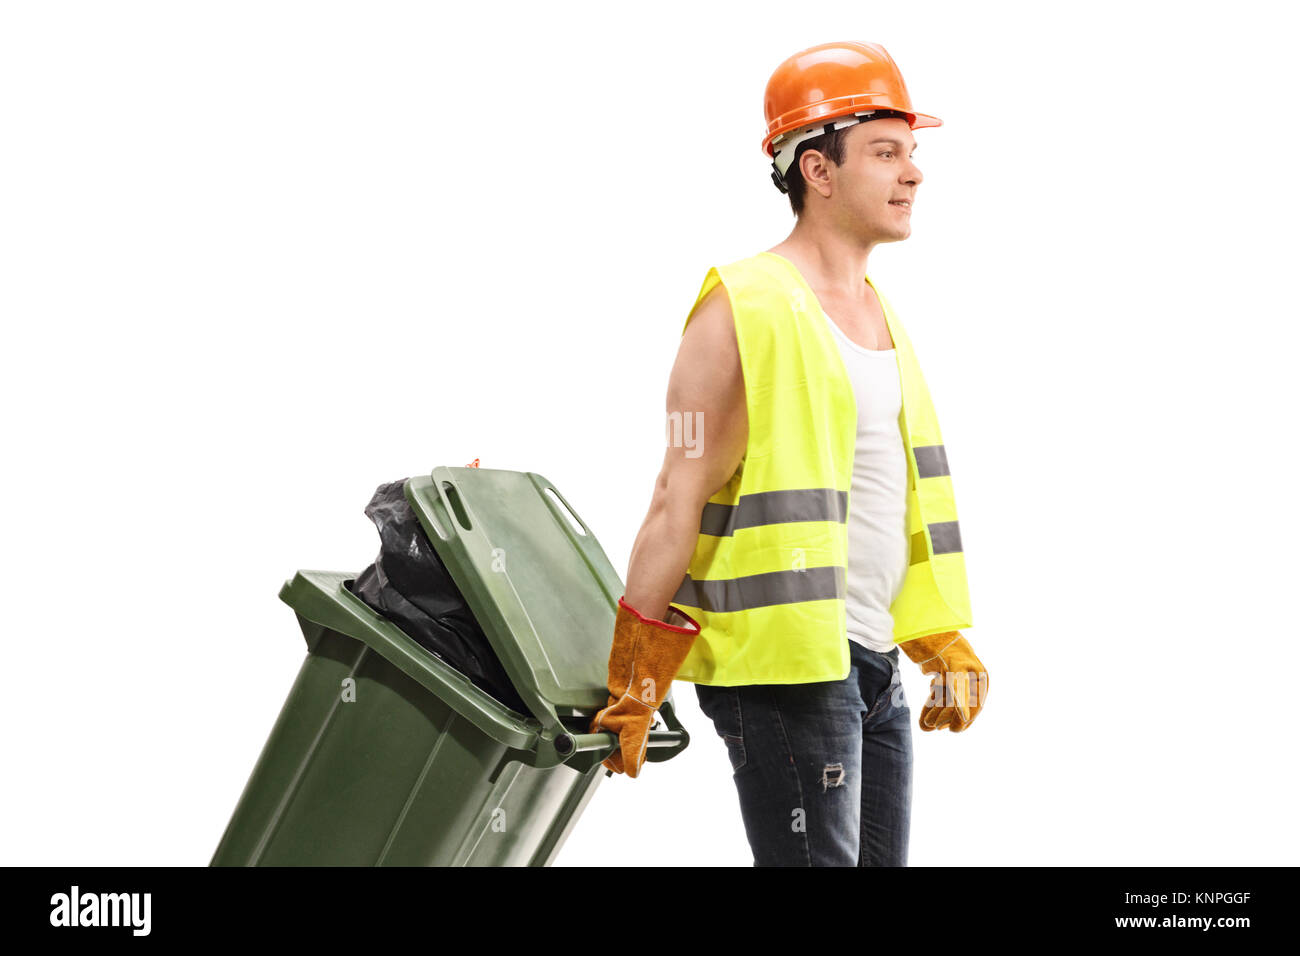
<point x="743" y="278"/>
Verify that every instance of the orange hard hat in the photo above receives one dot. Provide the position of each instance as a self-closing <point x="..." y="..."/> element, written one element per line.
<point x="829" y="86"/>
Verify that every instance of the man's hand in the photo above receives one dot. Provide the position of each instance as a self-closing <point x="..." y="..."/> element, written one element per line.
<point x="645" y="655"/>
<point x="960" y="682"/>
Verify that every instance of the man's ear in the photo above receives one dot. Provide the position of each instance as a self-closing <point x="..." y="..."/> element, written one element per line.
<point x="817" y="172"/>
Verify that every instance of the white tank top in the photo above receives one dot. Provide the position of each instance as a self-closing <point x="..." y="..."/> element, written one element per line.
<point x="877" y="526"/>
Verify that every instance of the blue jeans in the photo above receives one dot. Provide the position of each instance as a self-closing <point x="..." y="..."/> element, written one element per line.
<point x="823" y="770"/>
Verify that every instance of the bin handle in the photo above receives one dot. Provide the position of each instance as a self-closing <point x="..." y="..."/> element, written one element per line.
<point x="675" y="737"/>
<point x="570" y="744"/>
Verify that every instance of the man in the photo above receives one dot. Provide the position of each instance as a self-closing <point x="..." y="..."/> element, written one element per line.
<point x="804" y="518"/>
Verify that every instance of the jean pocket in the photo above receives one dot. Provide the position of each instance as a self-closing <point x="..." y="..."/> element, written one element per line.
<point x="735" y="751"/>
<point x="892" y="697"/>
<point x="722" y="706"/>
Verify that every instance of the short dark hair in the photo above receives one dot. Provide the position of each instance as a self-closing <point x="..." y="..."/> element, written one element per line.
<point x="830" y="145"/>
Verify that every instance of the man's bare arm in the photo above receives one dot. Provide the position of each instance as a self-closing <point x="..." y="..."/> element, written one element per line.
<point x="706" y="389"/>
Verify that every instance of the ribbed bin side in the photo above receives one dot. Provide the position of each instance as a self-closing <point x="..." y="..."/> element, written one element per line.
<point x="395" y="777"/>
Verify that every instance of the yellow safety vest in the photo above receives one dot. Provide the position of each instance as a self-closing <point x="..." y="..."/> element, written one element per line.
<point x="767" y="579"/>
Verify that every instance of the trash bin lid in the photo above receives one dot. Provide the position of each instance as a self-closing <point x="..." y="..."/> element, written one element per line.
<point x="537" y="580"/>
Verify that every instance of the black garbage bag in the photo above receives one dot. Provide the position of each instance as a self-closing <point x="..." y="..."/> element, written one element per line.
<point x="410" y="586"/>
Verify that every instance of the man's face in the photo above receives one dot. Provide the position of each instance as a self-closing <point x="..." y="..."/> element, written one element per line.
<point x="876" y="174"/>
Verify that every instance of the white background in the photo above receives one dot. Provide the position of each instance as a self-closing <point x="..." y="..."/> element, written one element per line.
<point x="259" y="258"/>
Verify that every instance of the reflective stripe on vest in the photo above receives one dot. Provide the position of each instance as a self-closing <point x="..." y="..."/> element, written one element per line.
<point x="771" y="507"/>
<point x="767" y="577"/>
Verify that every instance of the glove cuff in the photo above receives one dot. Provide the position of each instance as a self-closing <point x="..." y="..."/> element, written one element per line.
<point x="658" y="650"/>
<point x="922" y="650"/>
<point x="677" y="621"/>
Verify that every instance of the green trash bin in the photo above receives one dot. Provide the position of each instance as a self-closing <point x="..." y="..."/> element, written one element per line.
<point x="383" y="754"/>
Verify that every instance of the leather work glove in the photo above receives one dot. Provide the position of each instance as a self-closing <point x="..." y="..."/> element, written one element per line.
<point x="960" y="682"/>
<point x="645" y="656"/>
